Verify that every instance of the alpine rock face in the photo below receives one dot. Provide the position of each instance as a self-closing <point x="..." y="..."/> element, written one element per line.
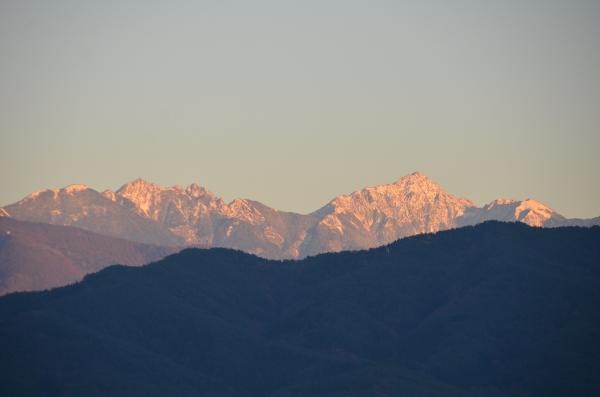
<point x="80" y="206"/>
<point x="184" y="212"/>
<point x="198" y="217"/>
<point x="529" y="211"/>
<point x="378" y="215"/>
<point x="193" y="216"/>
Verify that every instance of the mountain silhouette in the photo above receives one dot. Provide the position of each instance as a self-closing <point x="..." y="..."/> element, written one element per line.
<point x="498" y="309"/>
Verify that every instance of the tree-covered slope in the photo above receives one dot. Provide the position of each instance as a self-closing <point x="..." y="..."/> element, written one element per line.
<point x="491" y="310"/>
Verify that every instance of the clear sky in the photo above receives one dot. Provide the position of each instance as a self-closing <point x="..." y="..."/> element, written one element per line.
<point x="294" y="102"/>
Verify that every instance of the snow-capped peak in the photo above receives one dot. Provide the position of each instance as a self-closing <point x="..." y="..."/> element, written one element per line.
<point x="195" y="190"/>
<point x="144" y="195"/>
<point x="529" y="211"/>
<point x="413" y="204"/>
<point x="501" y="201"/>
<point x="136" y="185"/>
<point x="415" y="176"/>
<point x="244" y="210"/>
<point x="533" y="212"/>
<point x="34" y="195"/>
<point x="109" y="194"/>
<point x="75" y="188"/>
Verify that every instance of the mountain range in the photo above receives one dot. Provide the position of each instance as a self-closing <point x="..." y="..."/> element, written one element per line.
<point x="493" y="310"/>
<point x="192" y="216"/>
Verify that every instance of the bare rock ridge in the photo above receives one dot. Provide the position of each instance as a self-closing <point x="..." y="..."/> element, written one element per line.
<point x="193" y="216"/>
<point x="83" y="207"/>
<point x="529" y="211"/>
<point x="378" y="215"/>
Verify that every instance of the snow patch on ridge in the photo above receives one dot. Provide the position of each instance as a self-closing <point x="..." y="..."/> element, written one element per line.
<point x="37" y="193"/>
<point x="75" y="188"/>
<point x="109" y="194"/>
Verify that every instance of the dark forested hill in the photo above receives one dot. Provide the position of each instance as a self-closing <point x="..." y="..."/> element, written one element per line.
<point x="492" y="310"/>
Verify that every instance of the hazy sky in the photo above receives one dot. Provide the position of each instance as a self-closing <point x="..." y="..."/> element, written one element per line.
<point x="294" y="102"/>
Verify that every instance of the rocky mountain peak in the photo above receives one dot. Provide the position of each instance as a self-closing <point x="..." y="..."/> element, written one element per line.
<point x="414" y="204"/>
<point x="529" y="211"/>
<point x="142" y="194"/>
<point x="196" y="191"/>
<point x="70" y="190"/>
<point x="136" y="186"/>
<point x="245" y="210"/>
<point x="499" y="202"/>
<point x="75" y="188"/>
<point x="415" y="177"/>
<point x="533" y="212"/>
<point x="419" y="185"/>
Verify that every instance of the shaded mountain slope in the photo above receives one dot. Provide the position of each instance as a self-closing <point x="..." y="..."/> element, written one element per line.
<point x="492" y="310"/>
<point x="36" y="256"/>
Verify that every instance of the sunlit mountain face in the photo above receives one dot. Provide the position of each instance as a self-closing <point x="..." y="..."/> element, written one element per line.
<point x="193" y="216"/>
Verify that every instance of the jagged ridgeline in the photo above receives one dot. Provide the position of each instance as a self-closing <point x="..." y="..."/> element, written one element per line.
<point x="193" y="216"/>
<point x="497" y="310"/>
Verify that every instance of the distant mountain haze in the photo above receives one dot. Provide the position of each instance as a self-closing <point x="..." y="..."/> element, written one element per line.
<point x="193" y="216"/>
<point x="35" y="256"/>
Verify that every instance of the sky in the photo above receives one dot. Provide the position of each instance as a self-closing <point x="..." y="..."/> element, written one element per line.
<point x="294" y="102"/>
